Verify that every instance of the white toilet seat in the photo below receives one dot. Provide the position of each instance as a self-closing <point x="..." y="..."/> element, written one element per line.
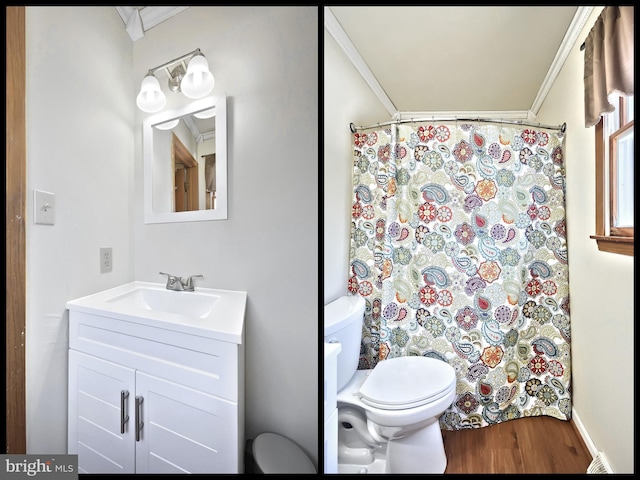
<point x="407" y="382"/>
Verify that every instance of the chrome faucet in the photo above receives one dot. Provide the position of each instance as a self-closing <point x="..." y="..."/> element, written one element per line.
<point x="189" y="285"/>
<point x="179" y="284"/>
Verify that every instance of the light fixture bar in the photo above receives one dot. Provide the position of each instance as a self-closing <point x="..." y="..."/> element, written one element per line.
<point x="174" y="61"/>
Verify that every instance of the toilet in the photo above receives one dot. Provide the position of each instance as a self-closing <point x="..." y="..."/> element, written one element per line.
<point x="274" y="453"/>
<point x="388" y="416"/>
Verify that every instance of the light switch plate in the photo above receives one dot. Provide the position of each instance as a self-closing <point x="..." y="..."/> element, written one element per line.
<point x="44" y="207"/>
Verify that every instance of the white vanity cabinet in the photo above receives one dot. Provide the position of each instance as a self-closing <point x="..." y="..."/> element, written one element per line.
<point x="150" y="398"/>
<point x="331" y="351"/>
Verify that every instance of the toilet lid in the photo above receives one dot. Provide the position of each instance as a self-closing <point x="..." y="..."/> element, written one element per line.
<point x="277" y="454"/>
<point x="406" y="382"/>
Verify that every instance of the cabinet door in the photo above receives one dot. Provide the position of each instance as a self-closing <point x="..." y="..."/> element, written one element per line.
<point x="98" y="411"/>
<point x="184" y="430"/>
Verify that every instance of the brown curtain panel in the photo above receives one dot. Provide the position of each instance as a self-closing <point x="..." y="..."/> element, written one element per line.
<point x="608" y="61"/>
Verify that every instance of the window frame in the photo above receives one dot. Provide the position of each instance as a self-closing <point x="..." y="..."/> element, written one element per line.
<point x="610" y="239"/>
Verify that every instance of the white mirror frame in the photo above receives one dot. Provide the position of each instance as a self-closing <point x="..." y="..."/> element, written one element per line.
<point x="219" y="102"/>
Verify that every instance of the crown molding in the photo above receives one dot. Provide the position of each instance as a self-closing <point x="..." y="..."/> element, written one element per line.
<point x="151" y="16"/>
<point x="515" y="115"/>
<point x="125" y="13"/>
<point x="332" y="26"/>
<point x="568" y="42"/>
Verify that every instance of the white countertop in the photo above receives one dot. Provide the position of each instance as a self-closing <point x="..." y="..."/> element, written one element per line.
<point x="224" y="321"/>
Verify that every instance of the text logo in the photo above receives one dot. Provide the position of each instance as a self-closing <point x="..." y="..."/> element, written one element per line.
<point x="51" y="467"/>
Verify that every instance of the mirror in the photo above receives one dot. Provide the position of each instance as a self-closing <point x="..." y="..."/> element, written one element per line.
<point x="185" y="163"/>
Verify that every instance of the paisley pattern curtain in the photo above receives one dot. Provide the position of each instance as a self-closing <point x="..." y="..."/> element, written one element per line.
<point x="458" y="245"/>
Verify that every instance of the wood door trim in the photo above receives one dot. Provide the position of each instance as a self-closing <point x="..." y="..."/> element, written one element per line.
<point x="15" y="158"/>
<point x="182" y="155"/>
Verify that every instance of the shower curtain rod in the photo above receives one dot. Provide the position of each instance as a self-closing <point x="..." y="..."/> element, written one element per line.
<point x="562" y="127"/>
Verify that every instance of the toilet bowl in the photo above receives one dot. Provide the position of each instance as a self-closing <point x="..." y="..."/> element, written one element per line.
<point x="388" y="415"/>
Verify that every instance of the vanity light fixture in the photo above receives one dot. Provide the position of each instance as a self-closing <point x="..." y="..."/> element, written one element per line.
<point x="205" y="113"/>
<point x="168" y="125"/>
<point x="194" y="80"/>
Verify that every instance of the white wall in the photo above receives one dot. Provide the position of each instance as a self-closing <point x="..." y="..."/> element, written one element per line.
<point x="79" y="118"/>
<point x="601" y="284"/>
<point x="84" y="144"/>
<point x="266" y="60"/>
<point x="347" y="99"/>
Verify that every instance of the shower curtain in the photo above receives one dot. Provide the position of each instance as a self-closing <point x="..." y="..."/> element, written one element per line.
<point x="458" y="245"/>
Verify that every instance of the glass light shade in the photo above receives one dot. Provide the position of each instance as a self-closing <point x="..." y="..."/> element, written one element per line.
<point x="198" y="81"/>
<point x="205" y="113"/>
<point x="168" y="125"/>
<point x="150" y="99"/>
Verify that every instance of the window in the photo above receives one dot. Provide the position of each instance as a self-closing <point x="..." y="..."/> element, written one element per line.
<point x="614" y="179"/>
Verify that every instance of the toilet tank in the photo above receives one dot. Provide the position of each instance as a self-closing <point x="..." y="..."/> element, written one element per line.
<point x="343" y="320"/>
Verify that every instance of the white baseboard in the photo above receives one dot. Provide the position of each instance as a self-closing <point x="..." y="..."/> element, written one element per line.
<point x="583" y="433"/>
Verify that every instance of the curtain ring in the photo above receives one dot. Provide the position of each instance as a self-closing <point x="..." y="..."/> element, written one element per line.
<point x="352" y="127"/>
<point x="564" y="127"/>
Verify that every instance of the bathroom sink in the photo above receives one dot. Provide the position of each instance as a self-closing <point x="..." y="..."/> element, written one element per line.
<point x="206" y="312"/>
<point x="197" y="304"/>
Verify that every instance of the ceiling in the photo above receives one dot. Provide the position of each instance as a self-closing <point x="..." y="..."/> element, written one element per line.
<point x="482" y="61"/>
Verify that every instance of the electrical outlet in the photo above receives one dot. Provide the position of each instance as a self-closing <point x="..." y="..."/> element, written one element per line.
<point x="106" y="259"/>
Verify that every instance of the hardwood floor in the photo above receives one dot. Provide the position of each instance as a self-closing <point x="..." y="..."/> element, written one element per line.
<point x="540" y="444"/>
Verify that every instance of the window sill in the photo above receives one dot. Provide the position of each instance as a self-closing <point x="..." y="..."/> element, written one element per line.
<point x="621" y="245"/>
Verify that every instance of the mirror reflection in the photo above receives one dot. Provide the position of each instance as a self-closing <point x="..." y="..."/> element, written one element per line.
<point x="190" y="180"/>
<point x="185" y="163"/>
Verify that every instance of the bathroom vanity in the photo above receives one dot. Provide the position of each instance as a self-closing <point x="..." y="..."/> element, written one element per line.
<point x="331" y="351"/>
<point x="156" y="380"/>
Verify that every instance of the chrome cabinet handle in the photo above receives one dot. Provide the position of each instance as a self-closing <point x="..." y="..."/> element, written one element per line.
<point x="139" y="422"/>
<point x="124" y="418"/>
